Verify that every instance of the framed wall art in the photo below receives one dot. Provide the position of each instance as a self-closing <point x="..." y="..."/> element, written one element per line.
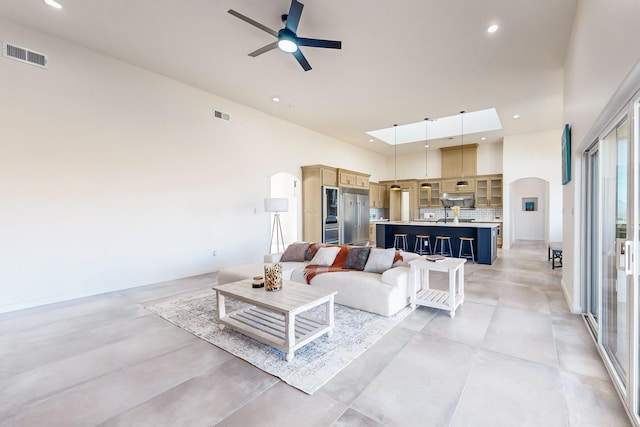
<point x="566" y="154"/>
<point x="530" y="204"/>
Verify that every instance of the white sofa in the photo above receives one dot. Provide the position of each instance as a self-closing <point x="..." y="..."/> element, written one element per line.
<point x="383" y="294"/>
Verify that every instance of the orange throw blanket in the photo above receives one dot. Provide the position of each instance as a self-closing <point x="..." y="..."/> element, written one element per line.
<point x="311" y="271"/>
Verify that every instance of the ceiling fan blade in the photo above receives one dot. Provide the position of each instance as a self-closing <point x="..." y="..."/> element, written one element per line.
<point x="302" y="60"/>
<point x="293" y="18"/>
<point x="254" y="23"/>
<point x="264" y="49"/>
<point x="330" y="44"/>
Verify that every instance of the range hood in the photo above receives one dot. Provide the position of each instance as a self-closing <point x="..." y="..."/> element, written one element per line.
<point x="464" y="200"/>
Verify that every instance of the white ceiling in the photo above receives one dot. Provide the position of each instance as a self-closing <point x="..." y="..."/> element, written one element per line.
<point x="400" y="61"/>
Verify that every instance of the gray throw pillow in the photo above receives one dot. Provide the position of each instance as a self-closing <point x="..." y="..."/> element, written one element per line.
<point x="295" y="252"/>
<point x="357" y="258"/>
<point x="380" y="260"/>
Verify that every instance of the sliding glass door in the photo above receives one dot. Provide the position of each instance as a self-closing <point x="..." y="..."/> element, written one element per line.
<point x="611" y="242"/>
<point x="615" y="219"/>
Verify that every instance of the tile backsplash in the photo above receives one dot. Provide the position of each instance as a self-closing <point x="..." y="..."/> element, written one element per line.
<point x="479" y="214"/>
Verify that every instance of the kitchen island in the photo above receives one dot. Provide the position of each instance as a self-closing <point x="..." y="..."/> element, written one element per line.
<point x="485" y="234"/>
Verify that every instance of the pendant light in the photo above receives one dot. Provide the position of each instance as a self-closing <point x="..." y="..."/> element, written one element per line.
<point x="395" y="187"/>
<point x="463" y="182"/>
<point x="426" y="184"/>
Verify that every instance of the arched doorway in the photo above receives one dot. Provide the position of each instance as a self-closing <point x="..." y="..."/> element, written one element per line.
<point x="530" y="209"/>
<point x="286" y="185"/>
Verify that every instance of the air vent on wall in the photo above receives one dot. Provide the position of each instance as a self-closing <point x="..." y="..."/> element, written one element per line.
<point x="220" y="115"/>
<point x="24" y="55"/>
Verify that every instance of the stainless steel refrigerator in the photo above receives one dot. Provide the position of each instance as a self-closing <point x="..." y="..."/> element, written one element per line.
<point x="355" y="216"/>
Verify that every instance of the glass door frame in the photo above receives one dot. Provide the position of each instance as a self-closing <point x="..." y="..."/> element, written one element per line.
<point x="592" y="208"/>
<point x="628" y="388"/>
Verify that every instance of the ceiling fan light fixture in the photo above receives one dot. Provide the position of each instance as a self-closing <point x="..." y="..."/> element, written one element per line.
<point x="286" y="44"/>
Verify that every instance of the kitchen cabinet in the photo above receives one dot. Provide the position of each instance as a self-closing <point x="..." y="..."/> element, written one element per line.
<point x="378" y="195"/>
<point x="435" y="195"/>
<point x="314" y="177"/>
<point x="396" y="208"/>
<point x="489" y="191"/>
<point x="449" y="186"/>
<point x="429" y="197"/>
<point x="347" y="178"/>
<point x="459" y="161"/>
<point x="372" y="233"/>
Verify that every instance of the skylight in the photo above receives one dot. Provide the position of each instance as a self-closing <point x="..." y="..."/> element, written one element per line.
<point x="443" y="127"/>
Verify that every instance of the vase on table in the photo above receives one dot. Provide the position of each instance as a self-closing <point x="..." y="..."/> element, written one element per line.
<point x="273" y="277"/>
<point x="455" y="219"/>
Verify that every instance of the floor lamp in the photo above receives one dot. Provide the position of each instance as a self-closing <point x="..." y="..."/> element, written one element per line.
<point x="277" y="205"/>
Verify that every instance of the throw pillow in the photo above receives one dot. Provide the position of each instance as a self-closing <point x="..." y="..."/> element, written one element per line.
<point x="380" y="260"/>
<point x="325" y="256"/>
<point x="311" y="251"/>
<point x="357" y="258"/>
<point x="295" y="252"/>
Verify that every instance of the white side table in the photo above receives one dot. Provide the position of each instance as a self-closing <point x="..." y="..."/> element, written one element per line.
<point x="435" y="298"/>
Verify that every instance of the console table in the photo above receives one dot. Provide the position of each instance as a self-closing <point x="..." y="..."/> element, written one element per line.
<point x="444" y="300"/>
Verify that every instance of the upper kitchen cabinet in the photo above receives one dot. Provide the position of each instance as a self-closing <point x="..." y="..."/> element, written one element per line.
<point x="378" y="195"/>
<point x="489" y="191"/>
<point x="459" y="161"/>
<point x="429" y="197"/>
<point x="450" y="185"/>
<point x="347" y="178"/>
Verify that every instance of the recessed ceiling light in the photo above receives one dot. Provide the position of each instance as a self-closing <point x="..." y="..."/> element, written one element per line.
<point x="426" y="146"/>
<point x="484" y="138"/>
<point x="371" y="140"/>
<point x="516" y="116"/>
<point x="53" y="3"/>
<point x="275" y="99"/>
<point x="492" y="29"/>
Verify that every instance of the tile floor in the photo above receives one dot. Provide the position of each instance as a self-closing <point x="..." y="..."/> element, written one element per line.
<point x="513" y="356"/>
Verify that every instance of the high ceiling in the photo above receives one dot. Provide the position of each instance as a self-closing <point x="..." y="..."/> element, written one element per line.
<point x="400" y="61"/>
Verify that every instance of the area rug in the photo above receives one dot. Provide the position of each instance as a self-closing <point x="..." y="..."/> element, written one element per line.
<point x="313" y="365"/>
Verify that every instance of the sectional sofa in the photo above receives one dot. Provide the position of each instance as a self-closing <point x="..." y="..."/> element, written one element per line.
<point x="381" y="286"/>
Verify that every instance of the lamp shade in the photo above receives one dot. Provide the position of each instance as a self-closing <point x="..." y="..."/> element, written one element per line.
<point x="276" y="204"/>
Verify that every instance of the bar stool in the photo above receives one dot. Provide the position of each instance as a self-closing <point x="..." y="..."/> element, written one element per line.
<point x="400" y="241"/>
<point x="442" y="240"/>
<point x="471" y="255"/>
<point x="423" y="244"/>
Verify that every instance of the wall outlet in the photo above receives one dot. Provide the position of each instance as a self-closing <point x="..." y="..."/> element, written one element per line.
<point x="214" y="253"/>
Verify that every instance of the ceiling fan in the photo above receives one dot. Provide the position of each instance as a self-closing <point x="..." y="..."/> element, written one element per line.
<point x="288" y="40"/>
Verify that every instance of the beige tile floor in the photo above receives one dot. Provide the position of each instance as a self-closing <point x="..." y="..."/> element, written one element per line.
<point x="513" y="356"/>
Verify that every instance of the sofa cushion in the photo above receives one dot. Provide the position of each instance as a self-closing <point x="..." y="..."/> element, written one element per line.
<point x="325" y="256"/>
<point x="357" y="258"/>
<point x="380" y="260"/>
<point x="295" y="252"/>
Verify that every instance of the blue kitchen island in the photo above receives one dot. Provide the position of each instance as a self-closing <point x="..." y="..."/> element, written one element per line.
<point x="485" y="234"/>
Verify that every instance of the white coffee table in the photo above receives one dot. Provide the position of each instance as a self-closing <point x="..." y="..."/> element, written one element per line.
<point x="436" y="298"/>
<point x="279" y="318"/>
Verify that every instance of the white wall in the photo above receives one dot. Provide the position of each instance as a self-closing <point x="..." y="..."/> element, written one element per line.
<point x="533" y="155"/>
<point x="412" y="166"/>
<point x="112" y="176"/>
<point x="605" y="45"/>
<point x="529" y="225"/>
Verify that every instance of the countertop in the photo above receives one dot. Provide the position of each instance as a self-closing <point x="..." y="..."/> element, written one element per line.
<point x="442" y="224"/>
